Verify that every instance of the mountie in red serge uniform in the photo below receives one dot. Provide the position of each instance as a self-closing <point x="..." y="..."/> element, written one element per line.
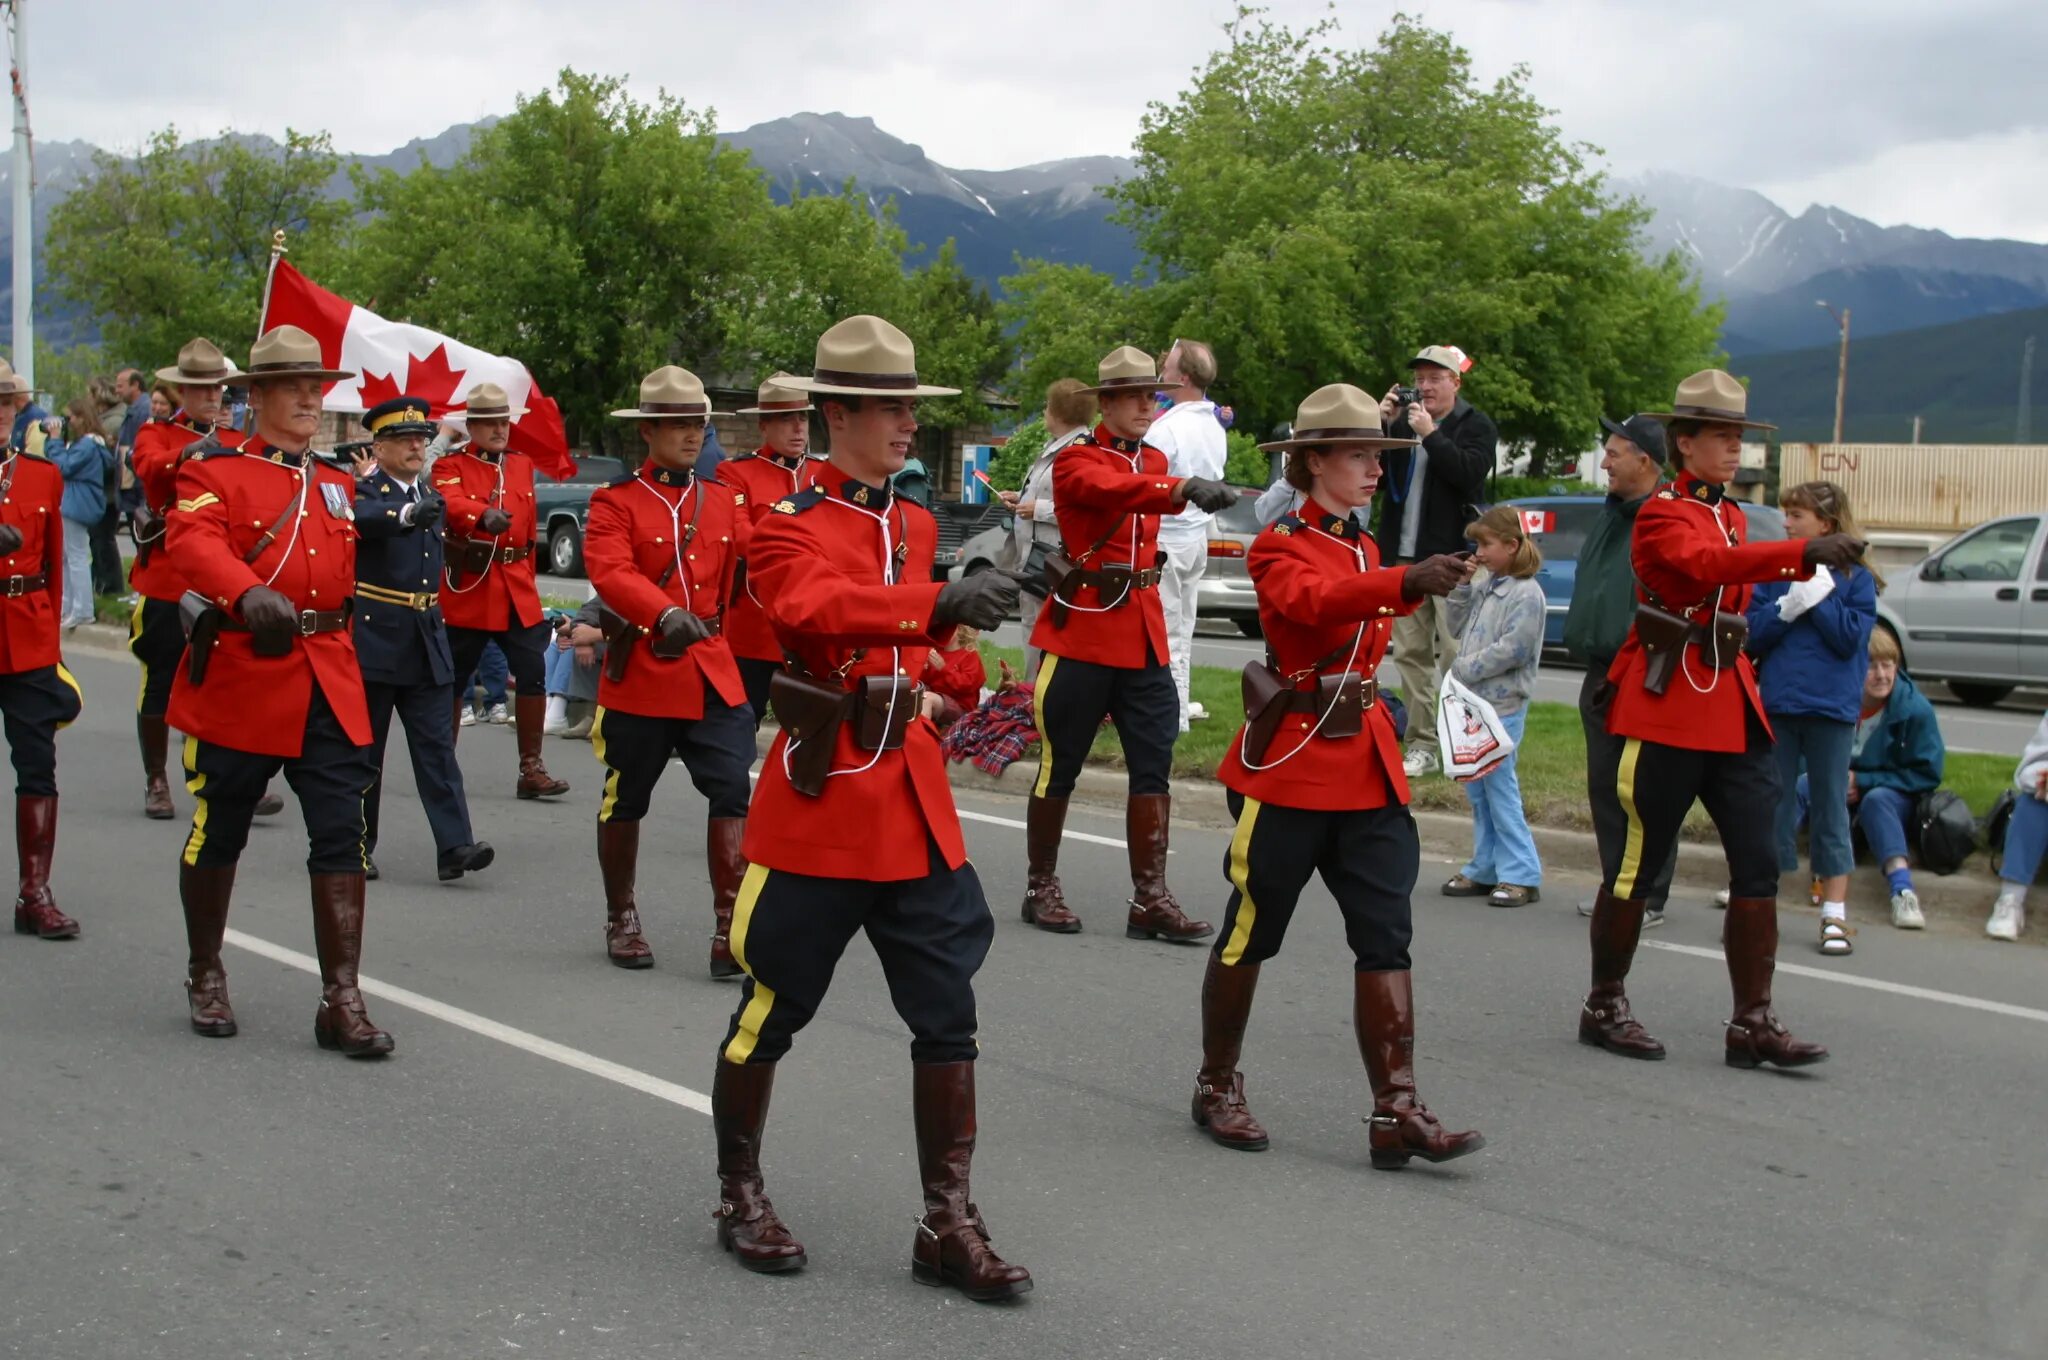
<point x="506" y="594"/>
<point x="1100" y="502"/>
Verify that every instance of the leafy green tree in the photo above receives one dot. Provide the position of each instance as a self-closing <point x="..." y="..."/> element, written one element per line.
<point x="818" y="259"/>
<point x="1014" y="459"/>
<point x="959" y="337"/>
<point x="1244" y="465"/>
<point x="1063" y="318"/>
<point x="176" y="242"/>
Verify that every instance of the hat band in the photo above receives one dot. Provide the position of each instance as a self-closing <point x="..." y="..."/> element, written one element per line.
<point x="211" y="375"/>
<point x="1337" y="434"/>
<point x="840" y="377"/>
<point x="675" y="408"/>
<point x="288" y="366"/>
<point x="1129" y="382"/>
<point x="1709" y="413"/>
<point x="797" y="405"/>
<point x="488" y="412"/>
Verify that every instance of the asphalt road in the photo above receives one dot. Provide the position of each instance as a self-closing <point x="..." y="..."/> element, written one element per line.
<point x="532" y="1174"/>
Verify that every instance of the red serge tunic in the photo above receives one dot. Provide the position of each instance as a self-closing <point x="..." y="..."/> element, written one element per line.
<point x="1692" y="551"/>
<point x="472" y="484"/>
<point x="665" y="520"/>
<point x="824" y="565"/>
<point x="764" y="479"/>
<point x="157" y="446"/>
<point x="1113" y="490"/>
<point x="227" y="500"/>
<point x="28" y="621"/>
<point x="1321" y="590"/>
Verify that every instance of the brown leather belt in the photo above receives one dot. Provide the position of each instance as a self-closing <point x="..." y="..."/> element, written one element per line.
<point x="308" y="622"/>
<point x="1109" y="579"/>
<point x="1311" y="701"/>
<point x="514" y="554"/>
<point x="18" y="586"/>
<point x="420" y="601"/>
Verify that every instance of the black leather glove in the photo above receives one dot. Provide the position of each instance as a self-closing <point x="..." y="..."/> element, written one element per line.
<point x="427" y="512"/>
<point x="495" y="520"/>
<point x="263" y="610"/>
<point x="1208" y="495"/>
<point x="680" y="627"/>
<point x="982" y="600"/>
<point x="1835" y="551"/>
<point x="1438" y="575"/>
<point x="10" y="539"/>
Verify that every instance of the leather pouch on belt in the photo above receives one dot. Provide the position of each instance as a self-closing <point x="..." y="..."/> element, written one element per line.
<point x="201" y="619"/>
<point x="884" y="706"/>
<point x="468" y="556"/>
<point x="1724" y="640"/>
<point x="619" y="637"/>
<point x="810" y="714"/>
<point x="1266" y="706"/>
<point x="1340" y="704"/>
<point x="1058" y="567"/>
<point x="1663" y="635"/>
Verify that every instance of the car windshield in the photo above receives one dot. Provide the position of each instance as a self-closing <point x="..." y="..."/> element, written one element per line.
<point x="1562" y="530"/>
<point x="1239" y="519"/>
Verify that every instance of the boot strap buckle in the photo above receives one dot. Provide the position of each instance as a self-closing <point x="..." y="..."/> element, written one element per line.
<point x="1383" y="1120"/>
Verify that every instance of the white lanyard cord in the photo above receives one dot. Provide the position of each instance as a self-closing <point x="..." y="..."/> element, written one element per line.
<point x="1125" y="594"/>
<point x="1323" y="717"/>
<point x="675" y="526"/>
<point x="747" y="582"/>
<point x="1684" y="660"/>
<point x="297" y="512"/>
<point x="895" y="653"/>
<point x="496" y="495"/>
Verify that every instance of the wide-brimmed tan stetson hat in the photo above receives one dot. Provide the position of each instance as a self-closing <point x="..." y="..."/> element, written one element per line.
<point x="487" y="401"/>
<point x="12" y="384"/>
<point x="778" y="398"/>
<point x="1712" y="395"/>
<point x="1126" y="369"/>
<point x="865" y="356"/>
<point x="288" y="352"/>
<point x="666" y="393"/>
<point x="200" y="364"/>
<point x="1338" y="414"/>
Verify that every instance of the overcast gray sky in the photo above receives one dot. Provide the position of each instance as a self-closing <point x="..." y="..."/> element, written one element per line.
<point x="1898" y="110"/>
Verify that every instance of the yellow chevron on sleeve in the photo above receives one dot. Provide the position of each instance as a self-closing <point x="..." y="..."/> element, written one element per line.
<point x="199" y="502"/>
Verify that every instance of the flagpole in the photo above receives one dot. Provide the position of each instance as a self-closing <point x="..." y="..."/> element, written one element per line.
<point x="277" y="252"/>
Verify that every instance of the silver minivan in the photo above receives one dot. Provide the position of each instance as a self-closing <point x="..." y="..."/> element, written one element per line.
<point x="1974" y="612"/>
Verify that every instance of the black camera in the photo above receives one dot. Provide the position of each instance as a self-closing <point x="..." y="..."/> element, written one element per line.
<point x="1405" y="397"/>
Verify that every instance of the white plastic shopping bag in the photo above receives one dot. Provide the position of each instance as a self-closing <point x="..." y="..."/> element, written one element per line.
<point x="1472" y="738"/>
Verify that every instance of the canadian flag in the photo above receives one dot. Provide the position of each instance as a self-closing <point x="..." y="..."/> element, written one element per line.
<point x="394" y="359"/>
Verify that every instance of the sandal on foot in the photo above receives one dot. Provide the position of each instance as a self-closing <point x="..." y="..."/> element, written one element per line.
<point x="1512" y="895"/>
<point x="1834" y="936"/>
<point x="1460" y="886"/>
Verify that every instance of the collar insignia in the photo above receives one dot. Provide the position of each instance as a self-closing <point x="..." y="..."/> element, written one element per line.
<point x="669" y="476"/>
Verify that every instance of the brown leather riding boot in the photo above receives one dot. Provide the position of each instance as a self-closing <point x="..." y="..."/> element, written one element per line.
<point x="1401" y="1126"/>
<point x="204" y="892"/>
<point x="748" y="1225"/>
<point x="951" y="1246"/>
<point x="1219" y="1087"/>
<point x="1605" y="1020"/>
<point x="1154" y="913"/>
<point x="270" y="804"/>
<point x="618" y="860"/>
<point x="1045" y="906"/>
<point x="728" y="867"/>
<point x="529" y="713"/>
<point x="35" y="842"/>
<point x="1755" y="1035"/>
<point x="342" y="1023"/>
<point x="153" y="734"/>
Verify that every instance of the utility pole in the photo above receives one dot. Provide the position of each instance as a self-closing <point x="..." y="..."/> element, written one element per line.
<point x="2025" y="431"/>
<point x="1842" y="369"/>
<point x="24" y="200"/>
<point x="1918" y="421"/>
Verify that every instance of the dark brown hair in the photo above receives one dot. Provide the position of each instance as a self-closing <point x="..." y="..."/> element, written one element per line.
<point x="1070" y="402"/>
<point x="1829" y="502"/>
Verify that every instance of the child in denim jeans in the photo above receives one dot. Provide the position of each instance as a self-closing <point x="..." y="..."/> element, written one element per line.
<point x="1497" y="618"/>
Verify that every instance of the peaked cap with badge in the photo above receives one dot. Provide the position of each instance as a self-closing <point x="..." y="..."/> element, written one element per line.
<point x="865" y="356"/>
<point x="399" y="416"/>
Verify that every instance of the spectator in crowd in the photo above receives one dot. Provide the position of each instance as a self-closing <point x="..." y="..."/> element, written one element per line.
<point x="1895" y="760"/>
<point x="112" y="411"/>
<point x="573" y="659"/>
<point x="1069" y="414"/>
<point x="954" y="672"/>
<point x="1425" y="499"/>
<point x="108" y="576"/>
<point x="2026" y="839"/>
<point x="1190" y="434"/>
<point x="163" y="403"/>
<point x="914" y="482"/>
<point x="1811" y="642"/>
<point x="712" y="454"/>
<point x="1497" y="619"/>
<point x="84" y="461"/>
<point x="1603" y="606"/>
<point x="492" y="673"/>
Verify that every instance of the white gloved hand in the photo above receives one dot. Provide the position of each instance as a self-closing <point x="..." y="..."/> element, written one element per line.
<point x="1804" y="595"/>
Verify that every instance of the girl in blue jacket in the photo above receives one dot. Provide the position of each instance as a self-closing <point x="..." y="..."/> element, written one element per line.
<point x="1811" y="641"/>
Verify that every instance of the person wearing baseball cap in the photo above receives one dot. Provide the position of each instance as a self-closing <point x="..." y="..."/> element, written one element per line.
<point x="1425" y="500"/>
<point x="1603" y="603"/>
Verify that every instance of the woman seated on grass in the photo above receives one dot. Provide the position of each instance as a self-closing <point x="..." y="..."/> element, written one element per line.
<point x="1895" y="760"/>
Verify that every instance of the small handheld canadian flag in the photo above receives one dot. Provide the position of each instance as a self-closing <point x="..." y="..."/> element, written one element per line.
<point x="397" y="359"/>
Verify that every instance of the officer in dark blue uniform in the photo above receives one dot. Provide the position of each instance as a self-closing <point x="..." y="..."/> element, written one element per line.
<point x="400" y="638"/>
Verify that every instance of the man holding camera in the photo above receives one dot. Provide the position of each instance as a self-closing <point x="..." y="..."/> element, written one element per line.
<point x="661" y="547"/>
<point x="490" y="592"/>
<point x="401" y="641"/>
<point x="1426" y="498"/>
<point x="265" y="534"/>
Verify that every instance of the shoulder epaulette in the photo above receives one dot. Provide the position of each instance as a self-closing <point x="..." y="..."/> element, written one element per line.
<point x="1667" y="494"/>
<point x="626" y="480"/>
<point x="799" y="502"/>
<point x="1287" y="524"/>
<point x="210" y="447"/>
<point x="735" y="458"/>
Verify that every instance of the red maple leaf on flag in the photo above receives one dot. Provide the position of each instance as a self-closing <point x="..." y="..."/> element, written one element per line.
<point x="430" y="379"/>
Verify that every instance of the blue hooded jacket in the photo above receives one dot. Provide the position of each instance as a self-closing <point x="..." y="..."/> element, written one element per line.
<point x="1904" y="751"/>
<point x="1814" y="666"/>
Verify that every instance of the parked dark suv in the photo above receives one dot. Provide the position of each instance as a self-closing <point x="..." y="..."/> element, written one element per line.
<point x="559" y="509"/>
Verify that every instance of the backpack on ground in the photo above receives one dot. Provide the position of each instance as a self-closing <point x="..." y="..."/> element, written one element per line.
<point x="1948" y="831"/>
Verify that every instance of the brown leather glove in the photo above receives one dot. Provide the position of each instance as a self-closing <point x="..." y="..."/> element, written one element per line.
<point x="263" y="610"/>
<point x="1834" y="551"/>
<point x="1438" y="575"/>
<point x="10" y="539"/>
<point x="495" y="520"/>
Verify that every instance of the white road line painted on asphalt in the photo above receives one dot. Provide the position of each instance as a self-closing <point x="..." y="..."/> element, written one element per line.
<point x="1972" y="1003"/>
<point x="610" y="1071"/>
